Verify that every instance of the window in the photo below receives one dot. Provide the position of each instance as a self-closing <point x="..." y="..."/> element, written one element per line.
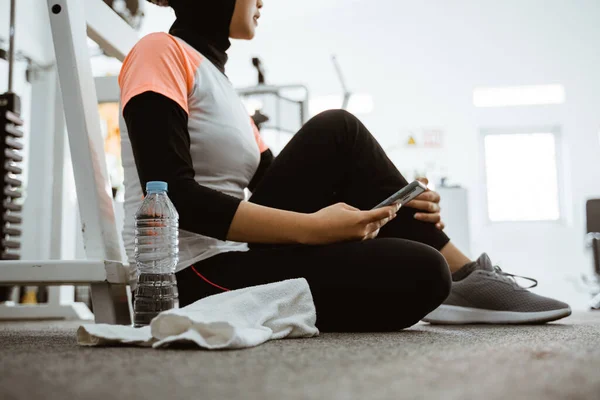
<point x="518" y="95"/>
<point x="522" y="178"/>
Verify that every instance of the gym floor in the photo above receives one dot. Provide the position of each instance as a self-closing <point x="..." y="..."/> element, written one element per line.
<point x="41" y="360"/>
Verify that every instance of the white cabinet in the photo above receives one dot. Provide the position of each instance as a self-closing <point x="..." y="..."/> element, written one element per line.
<point x="455" y="214"/>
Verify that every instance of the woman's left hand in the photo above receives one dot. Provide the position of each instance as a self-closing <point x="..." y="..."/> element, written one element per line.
<point x="430" y="203"/>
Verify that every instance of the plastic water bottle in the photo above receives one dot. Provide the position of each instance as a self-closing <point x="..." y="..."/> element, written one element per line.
<point x="156" y="254"/>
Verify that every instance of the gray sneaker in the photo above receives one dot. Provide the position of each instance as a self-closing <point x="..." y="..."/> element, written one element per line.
<point x="483" y="294"/>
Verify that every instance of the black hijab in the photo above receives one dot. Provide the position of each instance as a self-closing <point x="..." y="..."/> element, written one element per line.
<point x="204" y="24"/>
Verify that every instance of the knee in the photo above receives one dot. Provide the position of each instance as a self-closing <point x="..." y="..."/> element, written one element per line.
<point x="436" y="279"/>
<point x="341" y="126"/>
<point x="429" y="276"/>
<point x="337" y="115"/>
<point x="335" y="122"/>
<point x="425" y="266"/>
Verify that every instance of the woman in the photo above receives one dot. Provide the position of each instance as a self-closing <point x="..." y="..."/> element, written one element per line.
<point x="367" y="270"/>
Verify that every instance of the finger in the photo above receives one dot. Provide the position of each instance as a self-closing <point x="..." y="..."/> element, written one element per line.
<point x="424" y="180"/>
<point x="374" y="226"/>
<point x="371" y="235"/>
<point x="434" y="196"/>
<point x="433" y="218"/>
<point x="377" y="225"/>
<point x="440" y="225"/>
<point x="429" y="196"/>
<point x="379" y="214"/>
<point x="424" y="205"/>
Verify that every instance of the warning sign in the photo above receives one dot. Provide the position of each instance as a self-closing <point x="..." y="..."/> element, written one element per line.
<point x="411" y="141"/>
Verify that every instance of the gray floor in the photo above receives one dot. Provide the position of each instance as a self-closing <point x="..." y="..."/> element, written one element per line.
<point x="41" y="360"/>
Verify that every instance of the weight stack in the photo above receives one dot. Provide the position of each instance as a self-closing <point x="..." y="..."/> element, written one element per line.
<point x="11" y="170"/>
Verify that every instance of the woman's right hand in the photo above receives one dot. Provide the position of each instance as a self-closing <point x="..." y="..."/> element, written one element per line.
<point x="341" y="222"/>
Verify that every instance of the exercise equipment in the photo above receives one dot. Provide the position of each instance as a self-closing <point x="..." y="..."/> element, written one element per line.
<point x="593" y="241"/>
<point x="346" y="93"/>
<point x="132" y="11"/>
<point x="11" y="170"/>
<point x="279" y="111"/>
<point x="593" y="230"/>
<point x="10" y="163"/>
<point x="104" y="268"/>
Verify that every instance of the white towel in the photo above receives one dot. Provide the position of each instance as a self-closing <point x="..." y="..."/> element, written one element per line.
<point x="229" y="320"/>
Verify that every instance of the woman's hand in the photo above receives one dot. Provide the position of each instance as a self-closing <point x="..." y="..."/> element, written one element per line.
<point x="430" y="203"/>
<point x="342" y="222"/>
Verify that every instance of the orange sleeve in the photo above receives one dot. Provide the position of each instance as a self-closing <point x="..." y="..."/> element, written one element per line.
<point x="161" y="64"/>
<point x="262" y="146"/>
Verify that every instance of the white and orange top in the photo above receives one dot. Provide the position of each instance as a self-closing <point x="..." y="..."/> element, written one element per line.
<point x="225" y="146"/>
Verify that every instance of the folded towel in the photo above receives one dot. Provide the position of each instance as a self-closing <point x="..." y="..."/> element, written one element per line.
<point x="229" y="320"/>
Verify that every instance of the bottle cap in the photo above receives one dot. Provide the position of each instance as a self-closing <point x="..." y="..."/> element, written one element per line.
<point x="156" y="186"/>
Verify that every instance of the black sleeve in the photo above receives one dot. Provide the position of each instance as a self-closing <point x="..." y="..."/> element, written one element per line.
<point x="266" y="159"/>
<point x="158" y="130"/>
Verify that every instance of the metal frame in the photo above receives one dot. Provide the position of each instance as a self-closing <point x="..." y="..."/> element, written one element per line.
<point x="104" y="27"/>
<point x="42" y="235"/>
<point x="347" y="93"/>
<point x="104" y="268"/>
<point x="592" y="211"/>
<point x="277" y="91"/>
<point x="48" y="272"/>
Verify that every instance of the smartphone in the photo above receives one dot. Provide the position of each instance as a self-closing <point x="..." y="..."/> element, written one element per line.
<point x="404" y="195"/>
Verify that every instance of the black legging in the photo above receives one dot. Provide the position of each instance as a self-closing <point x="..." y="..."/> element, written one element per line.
<point x="384" y="284"/>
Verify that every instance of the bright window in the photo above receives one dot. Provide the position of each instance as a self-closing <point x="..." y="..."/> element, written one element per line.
<point x="522" y="182"/>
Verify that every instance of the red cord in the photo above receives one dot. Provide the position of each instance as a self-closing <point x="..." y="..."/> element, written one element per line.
<point x="207" y="281"/>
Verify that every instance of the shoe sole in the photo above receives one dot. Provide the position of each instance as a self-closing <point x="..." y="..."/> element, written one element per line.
<point x="455" y="315"/>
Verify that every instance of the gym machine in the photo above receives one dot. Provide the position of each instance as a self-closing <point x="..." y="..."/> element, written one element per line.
<point x="278" y="111"/>
<point x="10" y="164"/>
<point x="72" y="22"/>
<point x="593" y="242"/>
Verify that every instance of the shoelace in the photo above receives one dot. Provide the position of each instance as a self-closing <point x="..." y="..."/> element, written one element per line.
<point x="511" y="277"/>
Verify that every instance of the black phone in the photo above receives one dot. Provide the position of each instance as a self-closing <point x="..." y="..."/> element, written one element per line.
<point x="404" y="195"/>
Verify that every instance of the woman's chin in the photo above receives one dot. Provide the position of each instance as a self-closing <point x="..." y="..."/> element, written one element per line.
<point x="246" y="35"/>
